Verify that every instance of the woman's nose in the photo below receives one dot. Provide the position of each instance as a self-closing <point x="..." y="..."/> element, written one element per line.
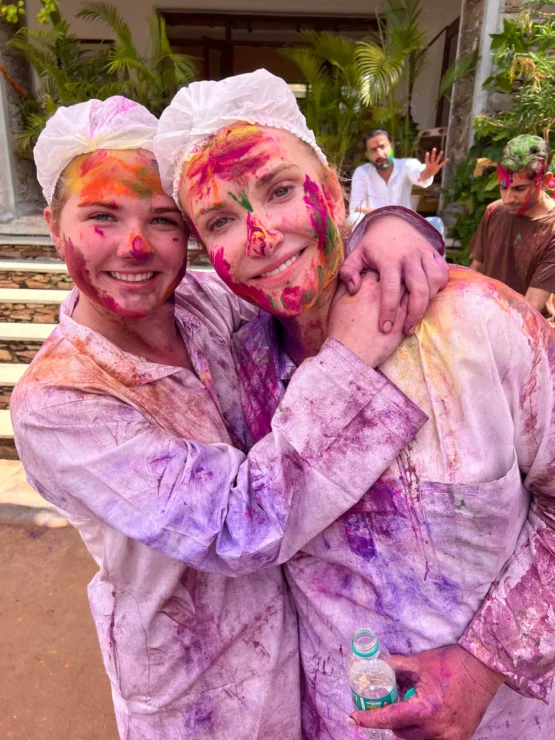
<point x="136" y="248"/>
<point x="261" y="241"/>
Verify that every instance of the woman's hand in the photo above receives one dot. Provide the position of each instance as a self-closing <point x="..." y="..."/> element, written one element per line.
<point x="453" y="691"/>
<point x="402" y="257"/>
<point x="353" y="321"/>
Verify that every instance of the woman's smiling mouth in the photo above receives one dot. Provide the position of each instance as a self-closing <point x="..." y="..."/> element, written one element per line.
<point x="128" y="277"/>
<point x="281" y="267"/>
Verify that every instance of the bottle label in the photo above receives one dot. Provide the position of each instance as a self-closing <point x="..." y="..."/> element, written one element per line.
<point x="361" y="702"/>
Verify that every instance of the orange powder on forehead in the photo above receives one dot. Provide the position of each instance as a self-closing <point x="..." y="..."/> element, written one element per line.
<point x="231" y="154"/>
<point x="106" y="174"/>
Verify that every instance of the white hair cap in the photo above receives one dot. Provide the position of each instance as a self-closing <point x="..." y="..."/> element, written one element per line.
<point x="115" y="123"/>
<point x="202" y="108"/>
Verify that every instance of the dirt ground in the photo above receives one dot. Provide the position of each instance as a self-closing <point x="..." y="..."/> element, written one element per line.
<point x="52" y="682"/>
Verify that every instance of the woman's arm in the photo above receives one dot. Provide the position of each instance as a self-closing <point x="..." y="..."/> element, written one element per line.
<point x="338" y="427"/>
<point x="405" y="250"/>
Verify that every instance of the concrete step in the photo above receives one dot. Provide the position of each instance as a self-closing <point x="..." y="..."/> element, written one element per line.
<point x="6" y="429"/>
<point x="10" y="373"/>
<point x="25" y="332"/>
<point x="33" y="266"/>
<point x="26" y="295"/>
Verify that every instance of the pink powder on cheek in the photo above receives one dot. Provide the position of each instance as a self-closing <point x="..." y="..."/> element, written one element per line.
<point x="99" y="231"/>
<point x="77" y="267"/>
<point x="249" y="293"/>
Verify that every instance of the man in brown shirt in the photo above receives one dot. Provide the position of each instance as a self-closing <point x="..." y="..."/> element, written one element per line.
<point x="515" y="242"/>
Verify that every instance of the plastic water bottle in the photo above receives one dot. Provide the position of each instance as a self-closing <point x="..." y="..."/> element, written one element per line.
<point x="371" y="677"/>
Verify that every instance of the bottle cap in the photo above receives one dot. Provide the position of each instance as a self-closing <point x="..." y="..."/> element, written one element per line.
<point x="365" y="644"/>
<point x="409" y="694"/>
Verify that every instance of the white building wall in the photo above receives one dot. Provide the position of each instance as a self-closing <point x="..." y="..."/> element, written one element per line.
<point x="136" y="12"/>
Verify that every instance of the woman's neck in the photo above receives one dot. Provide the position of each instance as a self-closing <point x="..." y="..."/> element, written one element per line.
<point x="304" y="335"/>
<point x="154" y="337"/>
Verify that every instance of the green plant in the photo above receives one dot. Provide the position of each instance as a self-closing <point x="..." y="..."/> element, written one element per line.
<point x="12" y="12"/>
<point x="333" y="106"/>
<point x="353" y="86"/>
<point x="70" y="74"/>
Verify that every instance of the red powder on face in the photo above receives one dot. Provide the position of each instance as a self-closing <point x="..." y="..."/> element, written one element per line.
<point x="249" y="293"/>
<point x="140" y="249"/>
<point x="93" y="160"/>
<point x="77" y="268"/>
<point x="99" y="231"/>
<point x="504" y="176"/>
<point x="259" y="239"/>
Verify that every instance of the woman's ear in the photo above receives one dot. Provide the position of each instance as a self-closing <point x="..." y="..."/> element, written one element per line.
<point x="55" y="232"/>
<point x="337" y="197"/>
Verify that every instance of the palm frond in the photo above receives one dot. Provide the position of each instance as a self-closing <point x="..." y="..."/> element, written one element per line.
<point x="380" y="71"/>
<point x="458" y="70"/>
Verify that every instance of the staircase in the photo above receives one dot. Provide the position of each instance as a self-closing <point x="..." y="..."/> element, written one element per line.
<point x="33" y="284"/>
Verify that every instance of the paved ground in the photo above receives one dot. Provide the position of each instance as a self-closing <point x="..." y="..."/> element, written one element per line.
<point x="52" y="682"/>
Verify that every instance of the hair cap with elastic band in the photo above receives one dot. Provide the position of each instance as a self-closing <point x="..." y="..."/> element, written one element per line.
<point x="115" y="123"/>
<point x="202" y="108"/>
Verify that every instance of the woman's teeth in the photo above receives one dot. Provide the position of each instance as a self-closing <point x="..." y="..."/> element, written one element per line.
<point x="281" y="268"/>
<point x="127" y="278"/>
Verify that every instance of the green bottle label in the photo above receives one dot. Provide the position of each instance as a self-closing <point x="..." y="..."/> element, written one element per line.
<point x="363" y="703"/>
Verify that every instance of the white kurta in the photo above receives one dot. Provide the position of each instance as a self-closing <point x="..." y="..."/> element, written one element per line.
<point x="370" y="190"/>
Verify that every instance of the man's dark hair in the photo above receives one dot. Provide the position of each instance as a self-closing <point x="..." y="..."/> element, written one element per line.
<point x="526" y="153"/>
<point x="376" y="132"/>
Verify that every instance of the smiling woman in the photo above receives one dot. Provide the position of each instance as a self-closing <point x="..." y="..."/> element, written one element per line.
<point x="450" y="553"/>
<point x="110" y="220"/>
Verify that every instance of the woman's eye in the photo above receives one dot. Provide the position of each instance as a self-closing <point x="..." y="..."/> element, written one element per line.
<point x="101" y="217"/>
<point x="282" y="191"/>
<point x="219" y="223"/>
<point x="162" y="221"/>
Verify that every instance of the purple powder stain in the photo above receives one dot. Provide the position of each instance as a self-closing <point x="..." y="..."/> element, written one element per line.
<point x="140" y="249"/>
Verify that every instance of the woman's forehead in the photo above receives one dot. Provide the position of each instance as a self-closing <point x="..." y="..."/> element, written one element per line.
<point x="131" y="173"/>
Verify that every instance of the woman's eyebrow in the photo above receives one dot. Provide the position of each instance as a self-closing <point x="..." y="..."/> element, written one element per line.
<point x="165" y="209"/>
<point x="269" y="176"/>
<point x="99" y="204"/>
<point x="209" y="209"/>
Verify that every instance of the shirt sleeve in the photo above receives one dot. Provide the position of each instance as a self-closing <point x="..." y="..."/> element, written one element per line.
<point x="514" y="630"/>
<point x="413" y="170"/>
<point x="339" y="426"/>
<point x="360" y="197"/>
<point x="429" y="232"/>
<point x="544" y="275"/>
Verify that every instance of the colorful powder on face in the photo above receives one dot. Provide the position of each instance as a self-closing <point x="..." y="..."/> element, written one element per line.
<point x="323" y="224"/>
<point x="105" y="175"/>
<point x="140" y="249"/>
<point x="504" y="176"/>
<point x="77" y="268"/>
<point x="98" y="231"/>
<point x="259" y="239"/>
<point x="242" y="200"/>
<point x="230" y="156"/>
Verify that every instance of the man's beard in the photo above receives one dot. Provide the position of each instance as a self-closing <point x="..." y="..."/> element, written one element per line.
<point x="383" y="164"/>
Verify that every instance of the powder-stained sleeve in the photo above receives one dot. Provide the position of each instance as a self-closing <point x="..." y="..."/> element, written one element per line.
<point x="514" y="630"/>
<point x="339" y="426"/>
<point x="429" y="232"/>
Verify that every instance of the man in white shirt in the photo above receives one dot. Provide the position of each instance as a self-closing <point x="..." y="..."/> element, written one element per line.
<point x="386" y="181"/>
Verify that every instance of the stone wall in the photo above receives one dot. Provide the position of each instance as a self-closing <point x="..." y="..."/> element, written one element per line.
<point x="23" y="352"/>
<point x="34" y="313"/>
<point x="38" y="281"/>
<point x="5" y="393"/>
<point x="28" y="252"/>
<point x="7" y="450"/>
